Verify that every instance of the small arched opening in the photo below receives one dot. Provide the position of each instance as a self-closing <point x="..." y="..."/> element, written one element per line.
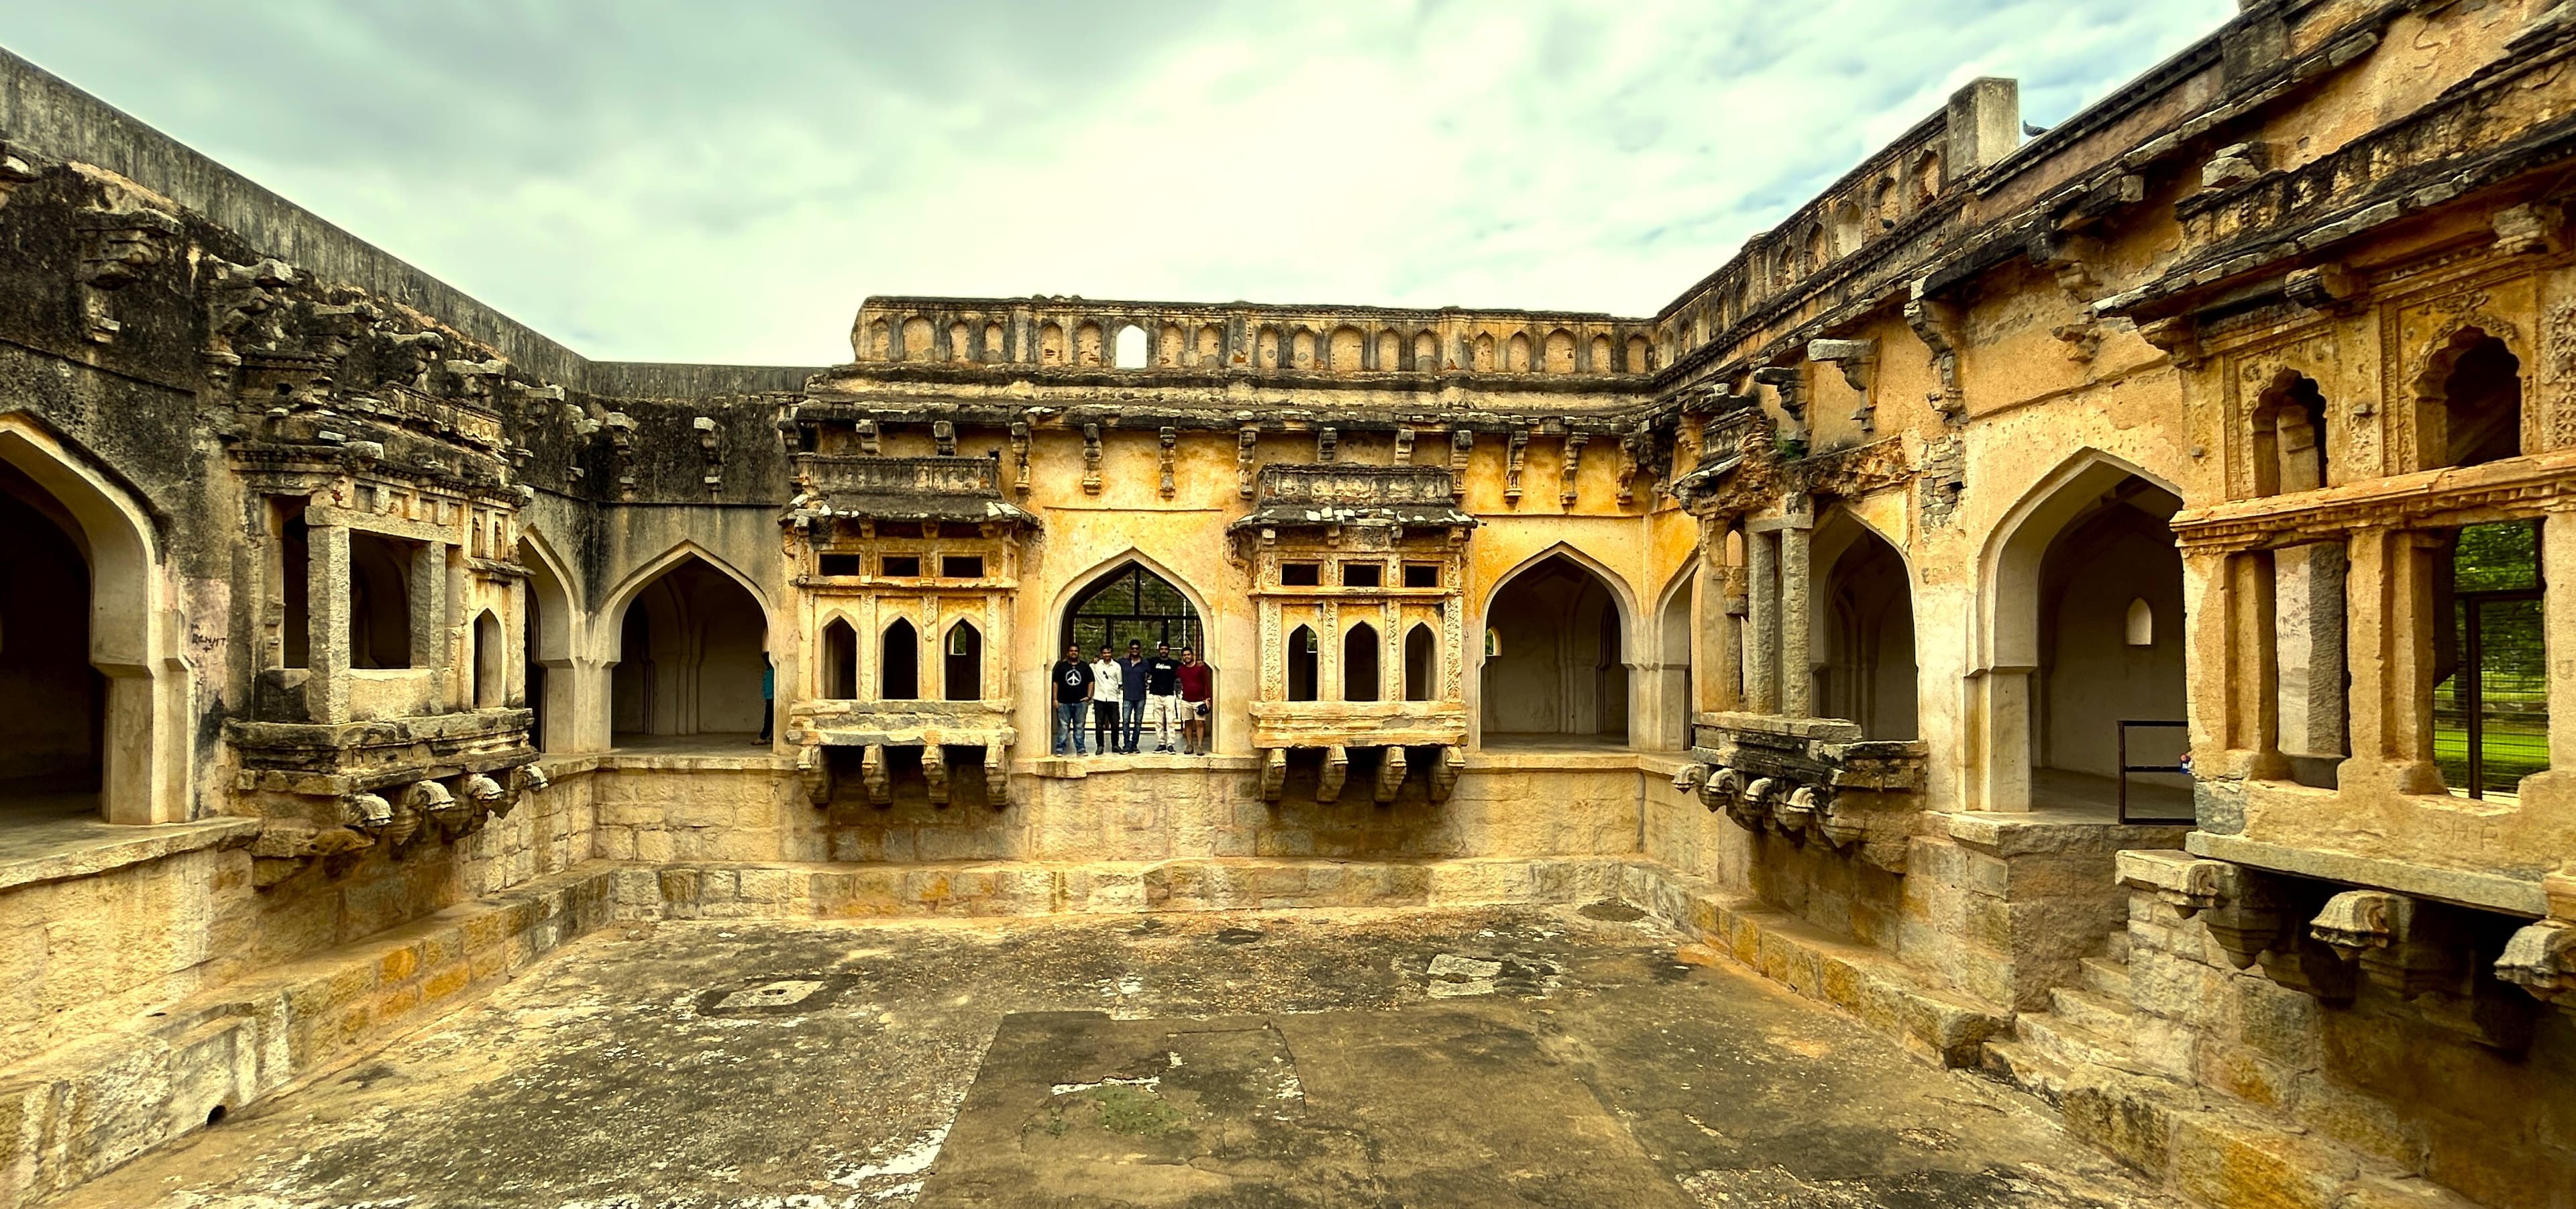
<point x="1359" y="663"/>
<point x="1421" y="664"/>
<point x="2471" y="408"/>
<point x="1302" y="658"/>
<point x="2289" y="449"/>
<point x="840" y="660"/>
<point x="899" y="663"/>
<point x="1674" y="630"/>
<point x="962" y="676"/>
<point x="491" y="663"/>
<point x="1131" y="351"/>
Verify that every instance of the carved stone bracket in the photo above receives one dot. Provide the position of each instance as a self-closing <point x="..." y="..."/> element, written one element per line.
<point x="236" y="296"/>
<point x="1940" y="327"/>
<point x="2178" y="336"/>
<point x="1274" y="774"/>
<point x="1574" y="443"/>
<point x="1403" y="446"/>
<point x="873" y="776"/>
<point x="997" y="776"/>
<point x="117" y="248"/>
<point x="1091" y="459"/>
<point x="1337" y="769"/>
<point x="1328" y="444"/>
<point x="814" y="772"/>
<point x="2185" y="884"/>
<point x="1390" y="774"/>
<point x="943" y="438"/>
<point x="2541" y="959"/>
<point x="1786" y="381"/>
<point x="1461" y="443"/>
<point x="2330" y="288"/>
<point x="2532" y="228"/>
<point x="1444" y="772"/>
<point x="934" y="771"/>
<point x="15" y="170"/>
<point x="711" y="449"/>
<point x="1246" y="440"/>
<point x="1630" y="460"/>
<point x="1020" y="456"/>
<point x="1518" y="456"/>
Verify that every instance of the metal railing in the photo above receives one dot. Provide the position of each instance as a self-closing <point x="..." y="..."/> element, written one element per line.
<point x="2126" y="768"/>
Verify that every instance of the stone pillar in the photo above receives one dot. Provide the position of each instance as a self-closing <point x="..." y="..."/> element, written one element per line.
<point x="2253" y="672"/>
<point x="2307" y="594"/>
<point x="1720" y="654"/>
<point x="1797" y="669"/>
<point x="1762" y="664"/>
<point x="326" y="610"/>
<point x="2551" y="790"/>
<point x="2389" y="589"/>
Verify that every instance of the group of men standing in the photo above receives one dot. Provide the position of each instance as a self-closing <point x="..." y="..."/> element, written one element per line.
<point x="1124" y="696"/>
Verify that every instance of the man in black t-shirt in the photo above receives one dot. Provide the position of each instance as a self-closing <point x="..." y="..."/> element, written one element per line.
<point x="1162" y="695"/>
<point x="1072" y="680"/>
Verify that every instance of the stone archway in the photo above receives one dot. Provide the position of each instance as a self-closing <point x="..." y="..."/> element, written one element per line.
<point x="1555" y="666"/>
<point x="134" y="756"/>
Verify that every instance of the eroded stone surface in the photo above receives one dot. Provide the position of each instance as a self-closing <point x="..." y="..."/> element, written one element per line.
<point x="1219" y="1059"/>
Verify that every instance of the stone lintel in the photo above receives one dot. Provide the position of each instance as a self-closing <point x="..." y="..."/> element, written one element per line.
<point x="2460" y="887"/>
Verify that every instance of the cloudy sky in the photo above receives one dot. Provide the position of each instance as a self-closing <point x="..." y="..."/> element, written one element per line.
<point x="666" y="181"/>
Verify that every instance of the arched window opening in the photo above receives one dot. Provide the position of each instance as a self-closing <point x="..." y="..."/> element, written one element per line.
<point x="1131" y="352"/>
<point x="2110" y="576"/>
<point x="1359" y="663"/>
<point x="491" y="659"/>
<point x="2289" y="436"/>
<point x="899" y="663"/>
<point x="840" y="660"/>
<point x="1678" y="700"/>
<point x="2477" y="384"/>
<point x="693" y="649"/>
<point x="2490" y="662"/>
<point x="1131" y="604"/>
<point x="53" y="746"/>
<point x="1421" y="664"/>
<point x="1554" y="671"/>
<point x="1868" y="644"/>
<point x="963" y="675"/>
<point x="1301" y="664"/>
<point x="380" y="571"/>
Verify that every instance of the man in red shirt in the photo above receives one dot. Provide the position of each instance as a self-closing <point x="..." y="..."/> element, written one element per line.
<point x="1197" y="685"/>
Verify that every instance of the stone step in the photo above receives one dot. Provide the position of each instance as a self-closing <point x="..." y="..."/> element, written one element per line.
<point x="2091" y="1011"/>
<point x="2107" y="978"/>
<point x="2051" y="1038"/>
<point x="2015" y="1064"/>
<point x="2116" y="945"/>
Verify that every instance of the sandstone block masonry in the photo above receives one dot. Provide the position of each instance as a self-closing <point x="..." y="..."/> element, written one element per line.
<point x="2084" y="604"/>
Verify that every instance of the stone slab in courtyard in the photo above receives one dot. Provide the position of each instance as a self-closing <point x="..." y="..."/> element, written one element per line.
<point x="1520" y="1056"/>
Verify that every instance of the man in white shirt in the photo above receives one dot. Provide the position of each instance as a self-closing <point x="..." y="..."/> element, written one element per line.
<point x="1105" y="696"/>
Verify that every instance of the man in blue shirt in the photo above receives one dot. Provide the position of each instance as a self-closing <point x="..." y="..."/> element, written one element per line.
<point x="768" y="697"/>
<point x="1131" y="688"/>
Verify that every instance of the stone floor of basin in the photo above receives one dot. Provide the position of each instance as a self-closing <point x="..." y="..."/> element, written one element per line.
<point x="1495" y="1057"/>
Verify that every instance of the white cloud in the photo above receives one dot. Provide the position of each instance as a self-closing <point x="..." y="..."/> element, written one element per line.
<point x="682" y="185"/>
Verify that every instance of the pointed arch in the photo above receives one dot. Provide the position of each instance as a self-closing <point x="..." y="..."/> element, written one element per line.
<point x="692" y="663"/>
<point x="899" y="662"/>
<point x="839" y="666"/>
<point x="1303" y="661"/>
<point x="1676" y="642"/>
<point x="1562" y="629"/>
<point x="554" y="595"/>
<point x="612" y="609"/>
<point x="1360" y="658"/>
<point x="2008" y="568"/>
<point x="2048" y="669"/>
<point x="1620" y="591"/>
<point x="143" y="768"/>
<point x="1862" y="627"/>
<point x="1421" y="663"/>
<point x="490" y="662"/>
<point x="961" y="658"/>
<point x="1069" y="596"/>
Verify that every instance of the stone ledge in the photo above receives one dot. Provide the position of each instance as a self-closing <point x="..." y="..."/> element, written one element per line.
<point x="2485" y="891"/>
<point x="2016" y="833"/>
<point x="86" y="847"/>
<point x="75" y="1112"/>
<point x="1000" y="889"/>
<point x="1881" y="991"/>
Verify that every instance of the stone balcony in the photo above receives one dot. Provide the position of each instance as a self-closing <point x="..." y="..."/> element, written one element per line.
<point x="874" y="726"/>
<point x="1810" y="779"/>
